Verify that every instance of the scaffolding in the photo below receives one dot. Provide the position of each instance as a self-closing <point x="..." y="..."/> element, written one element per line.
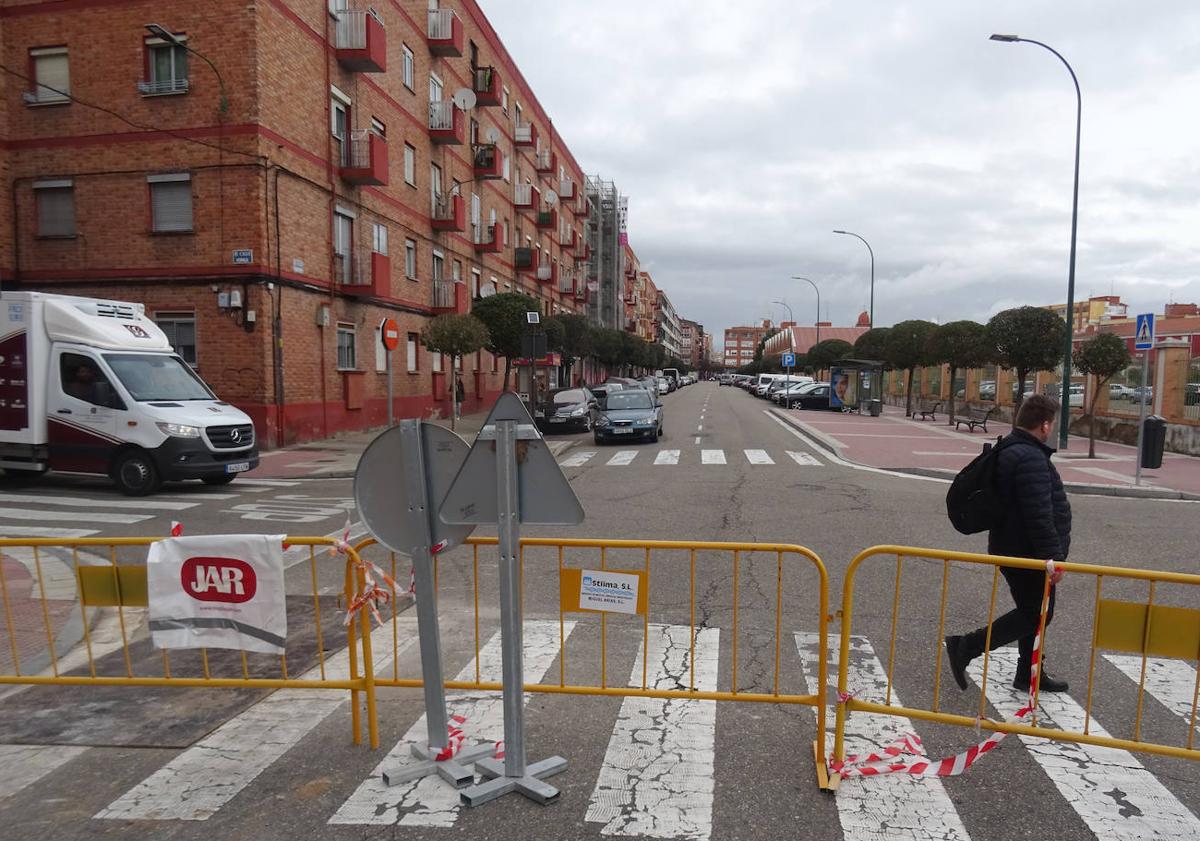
<point x="605" y="306"/>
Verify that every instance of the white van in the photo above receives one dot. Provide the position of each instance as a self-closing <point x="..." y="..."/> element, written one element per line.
<point x="765" y="381"/>
<point x="92" y="386"/>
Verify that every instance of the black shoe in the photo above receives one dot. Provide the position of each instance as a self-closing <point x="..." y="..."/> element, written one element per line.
<point x="1046" y="684"/>
<point x="958" y="660"/>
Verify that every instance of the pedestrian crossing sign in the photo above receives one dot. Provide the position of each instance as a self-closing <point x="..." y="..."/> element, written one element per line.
<point x="1143" y="337"/>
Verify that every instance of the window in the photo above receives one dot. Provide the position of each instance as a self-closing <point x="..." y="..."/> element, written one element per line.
<point x="83" y="380"/>
<point x="456" y="272"/>
<point x="517" y="112"/>
<point x="435" y="183"/>
<point x="379" y="238"/>
<point x="336" y="6"/>
<point x="171" y="203"/>
<point x="166" y="67"/>
<point x="345" y="347"/>
<point x="410" y="259"/>
<point x="506" y="168"/>
<point x="180" y="328"/>
<point x="339" y="119"/>
<point x="504" y="100"/>
<point x="439" y="265"/>
<point x="437" y="363"/>
<point x="343" y="241"/>
<point x="412" y="353"/>
<point x="435" y="88"/>
<point x="379" y="127"/>
<point x="410" y="165"/>
<point x="52" y="75"/>
<point x="55" y="207"/>
<point x="475" y="280"/>
<point x="475" y="221"/>
<point x="407" y="73"/>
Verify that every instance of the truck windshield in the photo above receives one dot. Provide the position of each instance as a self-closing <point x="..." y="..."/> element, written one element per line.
<point x="153" y="376"/>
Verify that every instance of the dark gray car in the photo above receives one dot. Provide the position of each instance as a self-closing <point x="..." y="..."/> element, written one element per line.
<point x="568" y="409"/>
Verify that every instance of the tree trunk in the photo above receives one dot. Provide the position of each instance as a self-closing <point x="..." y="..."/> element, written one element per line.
<point x="908" y="395"/>
<point x="453" y="391"/>
<point x="1021" y="375"/>
<point x="507" y="374"/>
<point x="950" y="414"/>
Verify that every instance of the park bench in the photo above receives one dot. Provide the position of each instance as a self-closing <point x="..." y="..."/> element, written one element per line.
<point x="927" y="409"/>
<point x="975" y="416"/>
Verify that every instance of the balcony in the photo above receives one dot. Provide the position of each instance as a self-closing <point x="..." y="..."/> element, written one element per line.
<point x="547" y="161"/>
<point x="567" y="190"/>
<point x="584" y="251"/>
<point x="583" y="207"/>
<point x="488" y="162"/>
<point x="365" y="160"/>
<point x="446" y="123"/>
<point x="547" y="220"/>
<point x="525" y="135"/>
<point x="489" y="239"/>
<point x="569" y="281"/>
<point x="162" y="87"/>
<point x="548" y="274"/>
<point x="526" y="259"/>
<point x="631" y="325"/>
<point x="445" y="33"/>
<point x="449" y="296"/>
<point x="363" y="272"/>
<point x="360" y="41"/>
<point x="449" y="212"/>
<point x="570" y="240"/>
<point x="487" y="87"/>
<point x="526" y="196"/>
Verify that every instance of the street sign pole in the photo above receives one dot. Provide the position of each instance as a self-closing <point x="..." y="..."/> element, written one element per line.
<point x="389" y="388"/>
<point x="1137" y="475"/>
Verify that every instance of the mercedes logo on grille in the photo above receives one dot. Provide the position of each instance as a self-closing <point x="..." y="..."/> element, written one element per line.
<point x="235" y="436"/>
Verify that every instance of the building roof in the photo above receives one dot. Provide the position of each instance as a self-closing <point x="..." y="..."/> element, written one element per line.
<point x="803" y="338"/>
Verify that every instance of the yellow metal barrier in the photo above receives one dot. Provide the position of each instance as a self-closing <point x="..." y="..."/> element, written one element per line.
<point x="1144" y="626"/>
<point x="562" y="558"/>
<point x="92" y="573"/>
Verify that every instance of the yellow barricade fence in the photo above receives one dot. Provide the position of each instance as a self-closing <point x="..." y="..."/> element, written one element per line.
<point x="713" y="578"/>
<point x="106" y="577"/>
<point x="1140" y="612"/>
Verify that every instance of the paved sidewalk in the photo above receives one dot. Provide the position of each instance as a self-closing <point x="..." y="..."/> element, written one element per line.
<point x="895" y="442"/>
<point x="337" y="458"/>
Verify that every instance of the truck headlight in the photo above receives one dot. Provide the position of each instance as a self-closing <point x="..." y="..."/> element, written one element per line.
<point x="179" y="430"/>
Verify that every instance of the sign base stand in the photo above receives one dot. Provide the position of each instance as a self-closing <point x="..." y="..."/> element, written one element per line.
<point x="532" y="785"/>
<point x="453" y="770"/>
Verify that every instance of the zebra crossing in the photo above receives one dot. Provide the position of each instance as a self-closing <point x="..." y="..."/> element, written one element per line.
<point x="657" y="777"/>
<point x="674" y="458"/>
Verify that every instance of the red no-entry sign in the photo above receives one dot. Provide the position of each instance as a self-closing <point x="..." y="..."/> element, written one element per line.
<point x="389" y="330"/>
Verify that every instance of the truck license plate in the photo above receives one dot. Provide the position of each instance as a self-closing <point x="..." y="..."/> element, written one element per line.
<point x="237" y="467"/>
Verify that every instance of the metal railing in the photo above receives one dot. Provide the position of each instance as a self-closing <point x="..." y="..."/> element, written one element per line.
<point x="523" y="194"/>
<point x="350" y="31"/>
<point x="352" y="268"/>
<point x="483" y="78"/>
<point x="486" y="234"/>
<point x="443" y="294"/>
<point x="441" y="114"/>
<point x="545" y="160"/>
<point x="523" y="133"/>
<point x="441" y="24"/>
<point x="154" y="87"/>
<point x="358" y="150"/>
<point x="443" y="206"/>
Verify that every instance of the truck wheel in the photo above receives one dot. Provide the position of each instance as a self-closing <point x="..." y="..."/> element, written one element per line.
<point x="135" y="474"/>
<point x="219" y="480"/>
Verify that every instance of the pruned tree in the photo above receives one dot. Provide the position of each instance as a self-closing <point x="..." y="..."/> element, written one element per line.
<point x="606" y="346"/>
<point x="1027" y="339"/>
<point x="821" y="356"/>
<point x="872" y="345"/>
<point x="576" y="340"/>
<point x="908" y="348"/>
<point x="1103" y="356"/>
<point x="504" y="317"/>
<point x="455" y="335"/>
<point x="960" y="344"/>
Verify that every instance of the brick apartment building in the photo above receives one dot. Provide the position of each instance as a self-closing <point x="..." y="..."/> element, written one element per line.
<point x="270" y="217"/>
<point x="741" y="342"/>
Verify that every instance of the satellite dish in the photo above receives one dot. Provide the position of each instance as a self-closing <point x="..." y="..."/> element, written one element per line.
<point x="551" y="197"/>
<point x="492" y="135"/>
<point x="487" y="290"/>
<point x="464" y="98"/>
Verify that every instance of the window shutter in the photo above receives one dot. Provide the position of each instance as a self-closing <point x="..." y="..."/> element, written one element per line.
<point x="171" y="203"/>
<point x="53" y="71"/>
<point x="56" y="211"/>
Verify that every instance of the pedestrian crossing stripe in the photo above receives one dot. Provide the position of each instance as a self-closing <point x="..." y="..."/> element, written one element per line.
<point x="672" y="457"/>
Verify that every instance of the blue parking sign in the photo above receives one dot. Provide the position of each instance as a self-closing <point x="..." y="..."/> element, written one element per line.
<point x="789" y="360"/>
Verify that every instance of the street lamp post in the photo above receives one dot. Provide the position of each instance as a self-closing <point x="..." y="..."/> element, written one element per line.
<point x="791" y="336"/>
<point x="818" y="321"/>
<point x="1065" y="390"/>
<point x="871" y="311"/>
<point x="160" y="31"/>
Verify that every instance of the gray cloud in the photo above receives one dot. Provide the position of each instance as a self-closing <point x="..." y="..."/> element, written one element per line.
<point x="743" y="133"/>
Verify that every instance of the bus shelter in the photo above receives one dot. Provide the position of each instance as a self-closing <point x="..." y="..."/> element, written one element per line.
<point x="856" y="385"/>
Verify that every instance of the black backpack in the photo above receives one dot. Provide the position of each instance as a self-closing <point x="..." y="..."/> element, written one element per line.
<point x="973" y="502"/>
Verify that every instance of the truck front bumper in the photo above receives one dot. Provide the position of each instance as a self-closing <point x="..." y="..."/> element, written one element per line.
<point x="188" y="458"/>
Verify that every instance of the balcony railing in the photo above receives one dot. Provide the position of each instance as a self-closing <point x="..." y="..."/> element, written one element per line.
<point x="547" y="161"/>
<point x="360" y="40"/>
<point x="365" y="158"/>
<point x="445" y="122"/>
<point x="445" y="33"/>
<point x="443" y="295"/>
<point x="525" y="134"/>
<point x="158" y="87"/>
<point x="488" y="161"/>
<point x="523" y="195"/>
<point x="486" y="84"/>
<point x="566" y="189"/>
<point x="349" y="269"/>
<point x="448" y="212"/>
<point x="489" y="239"/>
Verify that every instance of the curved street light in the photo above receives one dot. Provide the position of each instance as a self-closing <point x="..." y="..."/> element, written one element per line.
<point x="160" y="31"/>
<point x="871" y="311"/>
<point x="1065" y="389"/>
<point x="818" y="321"/>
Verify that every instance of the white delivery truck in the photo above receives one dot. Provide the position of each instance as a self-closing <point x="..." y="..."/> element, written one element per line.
<point x="92" y="386"/>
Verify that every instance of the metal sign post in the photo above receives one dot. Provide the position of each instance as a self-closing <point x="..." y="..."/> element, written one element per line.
<point x="510" y="476"/>
<point x="389" y="334"/>
<point x="420" y="458"/>
<point x="1143" y="340"/>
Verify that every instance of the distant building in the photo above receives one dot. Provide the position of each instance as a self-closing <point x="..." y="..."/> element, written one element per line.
<point x="802" y="339"/>
<point x="691" y="342"/>
<point x="1099" y="309"/>
<point x="741" y="342"/>
<point x="667" y="324"/>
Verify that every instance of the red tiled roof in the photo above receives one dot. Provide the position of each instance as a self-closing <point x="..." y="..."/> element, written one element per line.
<point x="803" y="338"/>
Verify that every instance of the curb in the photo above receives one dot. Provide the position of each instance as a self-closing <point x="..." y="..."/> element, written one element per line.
<point x="1078" y="488"/>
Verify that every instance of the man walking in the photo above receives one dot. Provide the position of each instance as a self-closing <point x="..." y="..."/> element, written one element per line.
<point x="1035" y="523"/>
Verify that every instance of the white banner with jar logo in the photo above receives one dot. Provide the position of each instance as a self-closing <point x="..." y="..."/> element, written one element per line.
<point x="218" y="591"/>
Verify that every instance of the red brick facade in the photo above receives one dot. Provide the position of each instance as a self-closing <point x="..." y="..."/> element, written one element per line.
<point x="267" y="178"/>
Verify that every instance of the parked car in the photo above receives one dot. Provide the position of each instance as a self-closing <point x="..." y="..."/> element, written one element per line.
<point x="781" y="394"/>
<point x="1143" y="394"/>
<point x="631" y="413"/>
<point x="664" y="386"/>
<point x="815" y="398"/>
<point x="987" y="390"/>
<point x="601" y="392"/>
<point x="1191" y="394"/>
<point x="792" y="400"/>
<point x="1120" y="391"/>
<point x="568" y="408"/>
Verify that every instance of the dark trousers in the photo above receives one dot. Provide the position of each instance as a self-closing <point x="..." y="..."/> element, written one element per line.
<point x="1020" y="623"/>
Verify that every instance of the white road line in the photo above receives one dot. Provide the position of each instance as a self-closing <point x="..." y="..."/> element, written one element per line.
<point x="622" y="458"/>
<point x="758" y="457"/>
<point x="101" y="502"/>
<point x="700" y="427"/>
<point x="577" y="459"/>
<point x="42" y="531"/>
<point x="199" y="497"/>
<point x="198" y="782"/>
<point x="911" y="808"/>
<point x="1109" y="789"/>
<point x="1172" y="682"/>
<point x="667" y="457"/>
<point x="657" y="777"/>
<point x="804" y="459"/>
<point x="712" y="456"/>
<point x="429" y="801"/>
<point x="24" y="765"/>
<point x="268" y="483"/>
<point x="72" y="516"/>
<point x="697" y="439"/>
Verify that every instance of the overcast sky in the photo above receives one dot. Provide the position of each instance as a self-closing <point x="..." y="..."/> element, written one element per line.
<point x="744" y="131"/>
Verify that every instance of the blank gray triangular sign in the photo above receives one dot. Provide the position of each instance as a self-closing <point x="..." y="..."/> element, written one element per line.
<point x="546" y="497"/>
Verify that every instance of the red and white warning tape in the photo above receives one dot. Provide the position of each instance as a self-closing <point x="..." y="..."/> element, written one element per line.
<point x="891" y="760"/>
<point x="456" y="738"/>
<point x="371" y="594"/>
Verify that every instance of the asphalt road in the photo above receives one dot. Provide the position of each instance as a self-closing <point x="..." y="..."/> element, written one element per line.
<point x="726" y="470"/>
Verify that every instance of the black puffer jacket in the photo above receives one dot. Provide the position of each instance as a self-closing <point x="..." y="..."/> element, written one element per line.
<point x="1037" y="515"/>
